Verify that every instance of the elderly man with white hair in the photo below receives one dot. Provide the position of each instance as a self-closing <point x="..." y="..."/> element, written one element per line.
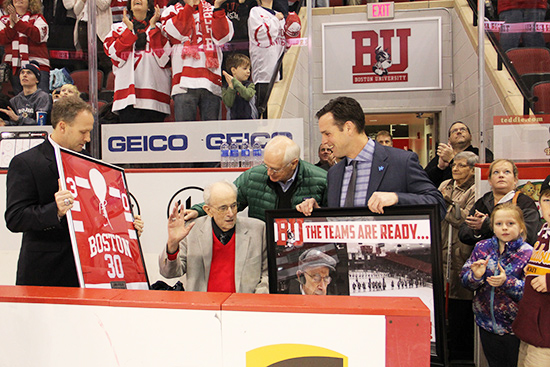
<point x="282" y="182"/>
<point x="218" y="252"/>
<point x="314" y="267"/>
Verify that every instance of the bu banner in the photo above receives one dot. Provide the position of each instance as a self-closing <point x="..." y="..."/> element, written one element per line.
<point x="382" y="56"/>
<point x="105" y="243"/>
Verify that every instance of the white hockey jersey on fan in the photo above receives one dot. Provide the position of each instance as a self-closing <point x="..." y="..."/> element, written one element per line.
<point x="142" y="78"/>
<point x="267" y="42"/>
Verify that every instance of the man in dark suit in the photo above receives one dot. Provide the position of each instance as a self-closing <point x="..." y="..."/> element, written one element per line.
<point x="36" y="205"/>
<point x="384" y="176"/>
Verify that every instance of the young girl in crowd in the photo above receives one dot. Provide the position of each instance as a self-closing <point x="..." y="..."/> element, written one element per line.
<point x="495" y="272"/>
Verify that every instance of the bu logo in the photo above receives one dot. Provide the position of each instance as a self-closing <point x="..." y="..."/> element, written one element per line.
<point x="369" y="46"/>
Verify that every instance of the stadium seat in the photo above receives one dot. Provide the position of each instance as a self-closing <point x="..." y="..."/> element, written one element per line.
<point x="528" y="60"/>
<point x="541" y="90"/>
<point x="82" y="81"/>
<point x="110" y="82"/>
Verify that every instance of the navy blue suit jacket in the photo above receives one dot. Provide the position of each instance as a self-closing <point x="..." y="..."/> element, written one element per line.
<point x="393" y="170"/>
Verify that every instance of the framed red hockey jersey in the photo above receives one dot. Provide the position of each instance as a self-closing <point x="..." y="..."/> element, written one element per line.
<point x="105" y="244"/>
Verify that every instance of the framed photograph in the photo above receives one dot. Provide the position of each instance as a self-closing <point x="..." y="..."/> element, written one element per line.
<point x="353" y="252"/>
<point x="101" y="224"/>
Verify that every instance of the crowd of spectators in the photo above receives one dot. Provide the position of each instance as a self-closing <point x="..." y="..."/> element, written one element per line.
<point x="167" y="58"/>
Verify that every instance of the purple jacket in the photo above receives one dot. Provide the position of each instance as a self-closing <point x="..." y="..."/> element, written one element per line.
<point x="495" y="308"/>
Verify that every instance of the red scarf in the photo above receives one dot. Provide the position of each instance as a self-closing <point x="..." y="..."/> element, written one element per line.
<point x="20" y="47"/>
<point x="191" y="46"/>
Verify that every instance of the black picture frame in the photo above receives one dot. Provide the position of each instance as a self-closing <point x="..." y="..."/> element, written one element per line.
<point x="415" y="263"/>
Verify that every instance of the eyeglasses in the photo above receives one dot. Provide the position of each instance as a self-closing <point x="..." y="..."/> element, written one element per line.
<point x="275" y="171"/>
<point x="317" y="278"/>
<point x="459" y="165"/>
<point x="461" y="129"/>
<point x="224" y="208"/>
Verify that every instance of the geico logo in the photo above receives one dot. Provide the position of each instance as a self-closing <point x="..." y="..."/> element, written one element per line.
<point x="153" y="143"/>
<point x="213" y="141"/>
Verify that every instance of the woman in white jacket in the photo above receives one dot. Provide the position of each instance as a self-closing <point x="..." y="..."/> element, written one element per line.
<point x="104" y="21"/>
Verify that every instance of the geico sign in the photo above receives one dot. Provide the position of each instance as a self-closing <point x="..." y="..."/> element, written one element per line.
<point x="214" y="140"/>
<point x="144" y="143"/>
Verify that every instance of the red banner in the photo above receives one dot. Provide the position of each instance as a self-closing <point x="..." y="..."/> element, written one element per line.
<point x="105" y="243"/>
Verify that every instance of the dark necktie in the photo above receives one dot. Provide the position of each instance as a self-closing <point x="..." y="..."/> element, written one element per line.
<point x="350" y="195"/>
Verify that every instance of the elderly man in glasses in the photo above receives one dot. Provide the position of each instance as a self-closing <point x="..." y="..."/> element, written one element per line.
<point x="218" y="252"/>
<point x="282" y="182"/>
<point x="460" y="140"/>
<point x="313" y="273"/>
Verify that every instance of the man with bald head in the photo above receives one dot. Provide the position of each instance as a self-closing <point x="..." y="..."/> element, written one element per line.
<point x="281" y="182"/>
<point x="218" y="253"/>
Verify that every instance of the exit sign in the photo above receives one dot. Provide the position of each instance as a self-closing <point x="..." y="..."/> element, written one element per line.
<point x="380" y="10"/>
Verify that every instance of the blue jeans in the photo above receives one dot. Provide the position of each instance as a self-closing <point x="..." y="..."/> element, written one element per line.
<point x="530" y="39"/>
<point x="185" y="105"/>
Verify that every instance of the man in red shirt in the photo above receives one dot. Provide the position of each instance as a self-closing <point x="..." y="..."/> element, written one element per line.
<point x="218" y="252"/>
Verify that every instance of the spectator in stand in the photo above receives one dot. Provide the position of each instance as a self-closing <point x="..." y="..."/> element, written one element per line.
<point x="460" y="139"/>
<point x="239" y="96"/>
<point x="237" y="11"/>
<point x="24" y="33"/>
<point x="26" y="105"/>
<point x="326" y="157"/>
<point x="104" y="21"/>
<point x="524" y="11"/>
<point x="503" y="178"/>
<point x="459" y="195"/>
<point x="61" y="24"/>
<point x="384" y="137"/>
<point x="268" y="33"/>
<point x="142" y="88"/>
<point x="495" y="272"/>
<point x="69" y="90"/>
<point x="196" y="30"/>
<point x="267" y="44"/>
<point x="532" y="321"/>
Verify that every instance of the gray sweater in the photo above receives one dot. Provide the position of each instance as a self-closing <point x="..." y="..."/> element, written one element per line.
<point x="26" y="107"/>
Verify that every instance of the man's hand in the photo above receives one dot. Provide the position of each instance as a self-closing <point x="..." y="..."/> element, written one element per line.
<point x="307" y="206"/>
<point x="64" y="200"/>
<point x="228" y="78"/>
<point x="539" y="283"/>
<point x="189" y="214"/>
<point x="479" y="267"/>
<point x="138" y="224"/>
<point x="380" y="199"/>
<point x="497" y="280"/>
<point x="12" y="115"/>
<point x="177" y="229"/>
<point x="279" y="15"/>
<point x="446" y="155"/>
